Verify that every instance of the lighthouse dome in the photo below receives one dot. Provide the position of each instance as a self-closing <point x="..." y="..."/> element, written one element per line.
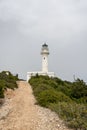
<point x="45" y="49"/>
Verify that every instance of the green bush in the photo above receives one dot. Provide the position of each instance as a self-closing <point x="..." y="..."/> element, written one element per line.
<point x="7" y="81"/>
<point x="67" y="99"/>
<point x="46" y="97"/>
<point x="2" y="88"/>
<point x="11" y="85"/>
<point x="74" y="114"/>
<point x="40" y="88"/>
<point x="1" y="93"/>
<point x="79" y="89"/>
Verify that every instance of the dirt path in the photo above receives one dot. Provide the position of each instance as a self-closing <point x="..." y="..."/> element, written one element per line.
<point x="23" y="114"/>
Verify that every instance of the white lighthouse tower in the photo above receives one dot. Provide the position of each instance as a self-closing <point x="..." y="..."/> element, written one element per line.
<point x="44" y="53"/>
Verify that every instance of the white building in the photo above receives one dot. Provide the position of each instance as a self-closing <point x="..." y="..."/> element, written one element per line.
<point x="44" y="53"/>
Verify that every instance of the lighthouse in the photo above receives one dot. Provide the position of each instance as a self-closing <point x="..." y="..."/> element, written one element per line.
<point x="44" y="71"/>
<point x="45" y="53"/>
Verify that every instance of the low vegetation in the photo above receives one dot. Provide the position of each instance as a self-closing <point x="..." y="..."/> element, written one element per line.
<point x="7" y="80"/>
<point x="67" y="99"/>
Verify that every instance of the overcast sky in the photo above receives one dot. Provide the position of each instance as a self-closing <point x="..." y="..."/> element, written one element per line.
<point x="26" y="24"/>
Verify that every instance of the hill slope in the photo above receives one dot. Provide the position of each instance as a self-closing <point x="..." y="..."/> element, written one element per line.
<point x="23" y="114"/>
<point x="67" y="99"/>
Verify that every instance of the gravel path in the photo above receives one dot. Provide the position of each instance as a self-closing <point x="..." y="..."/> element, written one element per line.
<point x="20" y="112"/>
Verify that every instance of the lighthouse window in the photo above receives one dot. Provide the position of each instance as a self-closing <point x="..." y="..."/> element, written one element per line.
<point x="44" y="58"/>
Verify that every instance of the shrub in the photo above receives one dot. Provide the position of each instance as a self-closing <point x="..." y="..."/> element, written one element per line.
<point x="79" y="89"/>
<point x="2" y="88"/>
<point x="7" y="81"/>
<point x="68" y="100"/>
<point x="74" y="114"/>
<point x="46" y="97"/>
<point x="40" y="88"/>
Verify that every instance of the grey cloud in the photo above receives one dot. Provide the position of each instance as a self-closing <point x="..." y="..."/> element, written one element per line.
<point x="25" y="25"/>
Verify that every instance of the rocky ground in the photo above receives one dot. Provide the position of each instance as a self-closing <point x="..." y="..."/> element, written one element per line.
<point x="20" y="112"/>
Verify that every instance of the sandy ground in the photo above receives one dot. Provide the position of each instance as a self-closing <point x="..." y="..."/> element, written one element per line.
<point x="20" y="112"/>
